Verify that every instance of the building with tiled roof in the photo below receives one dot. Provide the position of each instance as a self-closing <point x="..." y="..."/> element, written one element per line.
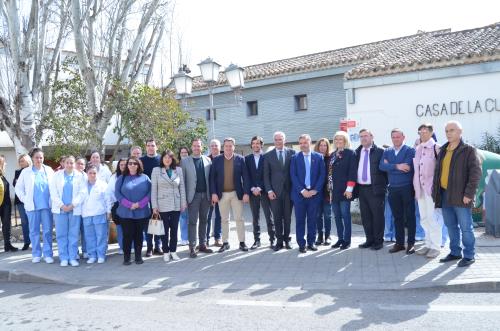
<point x="313" y="93"/>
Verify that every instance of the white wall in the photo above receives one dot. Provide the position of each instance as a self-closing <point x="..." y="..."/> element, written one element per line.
<point x="381" y="108"/>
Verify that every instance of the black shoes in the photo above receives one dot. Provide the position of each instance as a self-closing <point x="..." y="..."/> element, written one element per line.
<point x="365" y="245"/>
<point x="243" y="247"/>
<point x="450" y="258"/>
<point x="139" y="261"/>
<point x="345" y="246"/>
<point x="192" y="252"/>
<point x="271" y="244"/>
<point x="377" y="247"/>
<point x="255" y="245"/>
<point x="127" y="262"/>
<point x="465" y="262"/>
<point x="328" y="241"/>
<point x="288" y="245"/>
<point x="157" y="251"/>
<point x="25" y="247"/>
<point x="10" y="248"/>
<point x="302" y="249"/>
<point x="278" y="247"/>
<point x="320" y="240"/>
<point x="224" y="247"/>
<point x="312" y="248"/>
<point x="410" y="249"/>
<point x="338" y="244"/>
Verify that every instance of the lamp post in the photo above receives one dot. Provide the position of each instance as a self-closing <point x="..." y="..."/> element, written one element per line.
<point x="210" y="73"/>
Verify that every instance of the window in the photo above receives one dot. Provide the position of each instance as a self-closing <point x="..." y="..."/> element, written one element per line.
<point x="208" y="115"/>
<point x="252" y="108"/>
<point x="301" y="102"/>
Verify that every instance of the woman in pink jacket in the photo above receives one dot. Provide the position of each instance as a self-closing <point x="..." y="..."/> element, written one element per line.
<point x="424" y="164"/>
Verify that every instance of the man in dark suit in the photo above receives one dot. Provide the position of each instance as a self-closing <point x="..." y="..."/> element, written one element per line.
<point x="371" y="186"/>
<point x="277" y="185"/>
<point x="258" y="196"/>
<point x="307" y="171"/>
<point x="229" y="187"/>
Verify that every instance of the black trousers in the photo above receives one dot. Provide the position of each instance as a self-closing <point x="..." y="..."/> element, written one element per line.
<point x="372" y="214"/>
<point x="402" y="202"/>
<point x="255" y="203"/>
<point x="5" y="214"/>
<point x="171" y="224"/>
<point x="282" y="215"/>
<point x="133" y="231"/>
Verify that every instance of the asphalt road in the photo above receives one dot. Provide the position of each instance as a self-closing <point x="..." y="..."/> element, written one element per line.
<point x="25" y="306"/>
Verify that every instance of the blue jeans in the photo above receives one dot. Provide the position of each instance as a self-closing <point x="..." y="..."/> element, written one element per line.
<point x="325" y="219"/>
<point x="458" y="220"/>
<point x="36" y="218"/>
<point x="25" y="224"/>
<point x="96" y="235"/>
<point x="217" y="223"/>
<point x="183" y="222"/>
<point x="389" y="233"/>
<point x="67" y="233"/>
<point x="342" y="212"/>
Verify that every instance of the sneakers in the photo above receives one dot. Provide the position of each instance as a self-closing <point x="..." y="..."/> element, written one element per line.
<point x="422" y="251"/>
<point x="91" y="260"/>
<point x="85" y="256"/>
<point x="64" y="263"/>
<point x="101" y="260"/>
<point x="74" y="263"/>
<point x="166" y="257"/>
<point x="36" y="259"/>
<point x="49" y="260"/>
<point x="433" y="253"/>
<point x="174" y="256"/>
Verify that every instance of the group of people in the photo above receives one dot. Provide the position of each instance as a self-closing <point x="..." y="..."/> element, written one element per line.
<point x="189" y="187"/>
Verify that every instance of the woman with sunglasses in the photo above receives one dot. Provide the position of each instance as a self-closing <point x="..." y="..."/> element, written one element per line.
<point x="133" y="192"/>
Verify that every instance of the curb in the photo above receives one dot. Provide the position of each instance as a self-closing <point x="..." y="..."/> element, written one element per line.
<point x="16" y="276"/>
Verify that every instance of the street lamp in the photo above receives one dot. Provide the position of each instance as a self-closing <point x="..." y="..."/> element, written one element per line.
<point x="210" y="73"/>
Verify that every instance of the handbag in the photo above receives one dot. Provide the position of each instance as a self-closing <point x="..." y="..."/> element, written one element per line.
<point x="155" y="226"/>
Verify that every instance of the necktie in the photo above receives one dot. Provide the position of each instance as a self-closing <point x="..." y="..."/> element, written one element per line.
<point x="307" y="180"/>
<point x="364" y="174"/>
<point x="280" y="157"/>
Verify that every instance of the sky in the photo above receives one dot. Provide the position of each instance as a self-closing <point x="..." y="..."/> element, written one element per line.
<point x="249" y="32"/>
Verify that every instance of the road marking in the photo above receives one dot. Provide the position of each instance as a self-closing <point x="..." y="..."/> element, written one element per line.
<point x="109" y="297"/>
<point x="441" y="308"/>
<point x="255" y="303"/>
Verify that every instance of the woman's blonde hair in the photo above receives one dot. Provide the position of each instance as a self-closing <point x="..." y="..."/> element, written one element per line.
<point x="328" y="146"/>
<point x="343" y="134"/>
<point x="26" y="158"/>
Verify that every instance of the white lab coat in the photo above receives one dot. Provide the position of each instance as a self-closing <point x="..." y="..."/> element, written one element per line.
<point x="56" y="186"/>
<point x="96" y="201"/>
<point x="26" y="183"/>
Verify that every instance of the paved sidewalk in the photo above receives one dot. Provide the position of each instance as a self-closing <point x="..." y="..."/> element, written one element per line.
<point x="264" y="269"/>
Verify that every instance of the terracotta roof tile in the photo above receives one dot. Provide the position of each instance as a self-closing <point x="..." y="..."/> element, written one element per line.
<point x="420" y="51"/>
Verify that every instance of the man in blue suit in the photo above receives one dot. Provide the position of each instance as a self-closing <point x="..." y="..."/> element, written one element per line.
<point x="307" y="171"/>
<point x="397" y="161"/>
<point x="229" y="186"/>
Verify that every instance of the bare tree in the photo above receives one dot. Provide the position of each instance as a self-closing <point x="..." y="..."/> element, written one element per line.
<point x="26" y="69"/>
<point x="125" y="49"/>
